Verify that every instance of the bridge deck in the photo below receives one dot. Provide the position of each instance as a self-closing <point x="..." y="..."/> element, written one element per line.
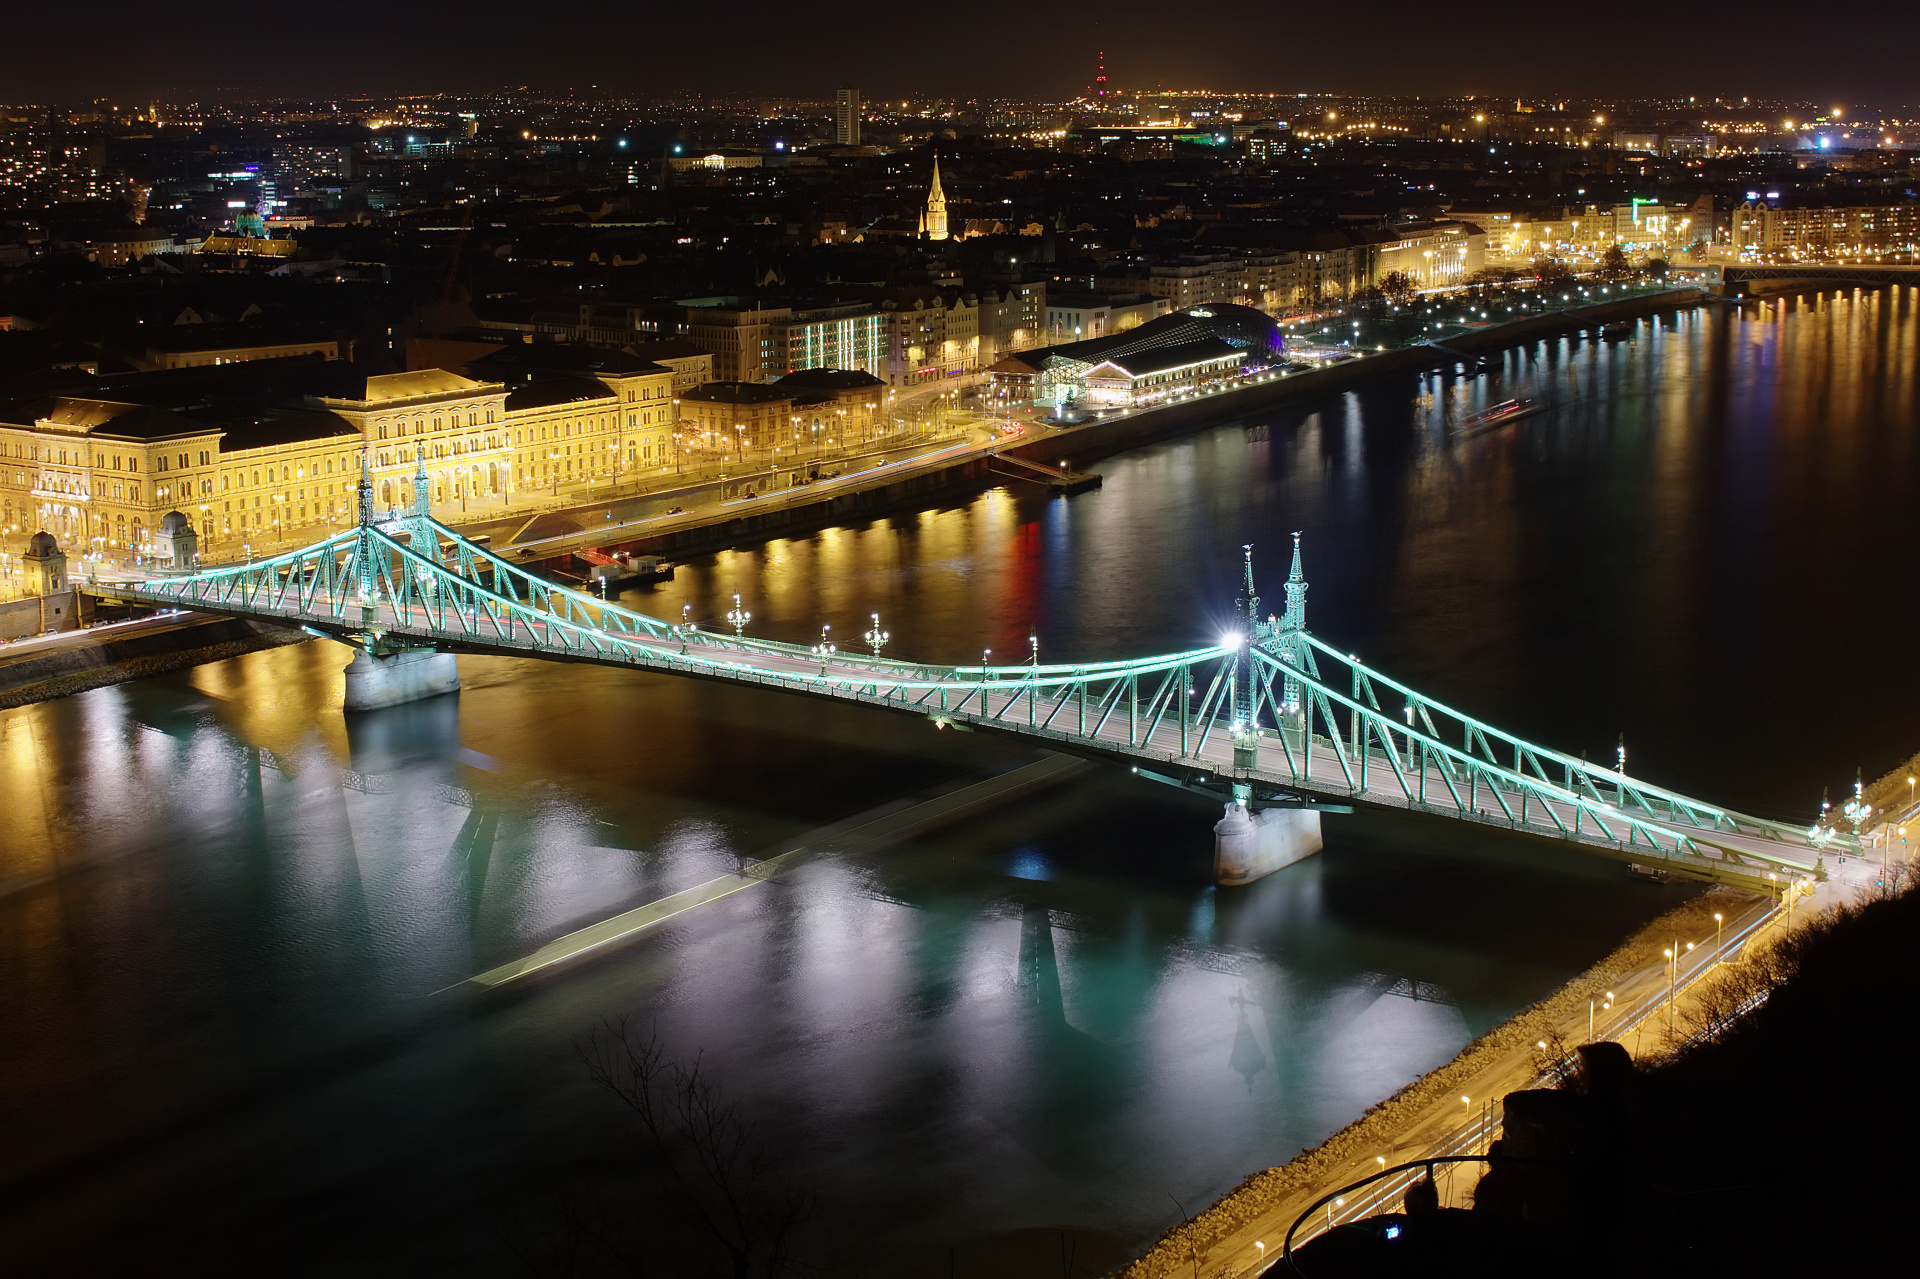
<point x="1005" y="701"/>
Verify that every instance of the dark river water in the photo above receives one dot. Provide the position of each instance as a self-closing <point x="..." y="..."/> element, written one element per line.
<point x="234" y="1025"/>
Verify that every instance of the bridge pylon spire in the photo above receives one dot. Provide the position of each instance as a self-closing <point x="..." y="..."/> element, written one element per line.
<point x="1248" y="598"/>
<point x="364" y="491"/>
<point x="1296" y="618"/>
<point x="420" y="524"/>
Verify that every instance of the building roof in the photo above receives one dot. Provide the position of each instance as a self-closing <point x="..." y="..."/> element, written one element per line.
<point x="544" y="392"/>
<point x="1161" y="359"/>
<point x="103" y="417"/>
<point x="256" y="426"/>
<point x="739" y="393"/>
<point x="665" y="349"/>
<point x="1027" y="363"/>
<point x="388" y="388"/>
<point x="562" y="357"/>
<point x="1237" y="326"/>
<point x="230" y="337"/>
<point x="830" y="380"/>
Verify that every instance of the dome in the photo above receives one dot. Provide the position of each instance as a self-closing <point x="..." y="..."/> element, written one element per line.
<point x="173" y="524"/>
<point x="42" y="544"/>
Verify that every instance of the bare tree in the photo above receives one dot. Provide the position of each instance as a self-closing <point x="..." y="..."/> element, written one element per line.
<point x="1398" y="287"/>
<point x="717" y="1161"/>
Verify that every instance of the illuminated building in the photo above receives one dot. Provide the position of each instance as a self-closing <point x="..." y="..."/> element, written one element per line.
<point x="1170" y="356"/>
<point x="1845" y="231"/>
<point x="753" y="342"/>
<point x="1072" y="317"/>
<point x="846" y="117"/>
<point x="933" y="223"/>
<point x="256" y="466"/>
<point x="741" y="420"/>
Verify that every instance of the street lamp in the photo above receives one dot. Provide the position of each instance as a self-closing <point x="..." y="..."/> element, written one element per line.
<point x="1717" y="923"/>
<point x="738" y="616"/>
<point x="876" y="637"/>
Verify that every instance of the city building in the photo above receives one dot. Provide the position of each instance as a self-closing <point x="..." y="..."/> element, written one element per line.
<point x="264" y="453"/>
<point x="1759" y="229"/>
<point x="1073" y="317"/>
<point x="753" y="341"/>
<point x="185" y="346"/>
<point x="1177" y="353"/>
<point x="846" y="117"/>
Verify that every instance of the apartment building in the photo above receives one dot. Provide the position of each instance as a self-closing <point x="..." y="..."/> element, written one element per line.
<point x="1075" y="317"/>
<point x="759" y="342"/>
<point x="1844" y="231"/>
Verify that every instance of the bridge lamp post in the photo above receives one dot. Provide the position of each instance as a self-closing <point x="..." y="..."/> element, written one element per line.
<point x="1718" y="924"/>
<point x="824" y="650"/>
<point x="876" y="637"/>
<point x="738" y="616"/>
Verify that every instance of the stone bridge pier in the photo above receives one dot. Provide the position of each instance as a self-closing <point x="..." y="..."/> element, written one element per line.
<point x="378" y="679"/>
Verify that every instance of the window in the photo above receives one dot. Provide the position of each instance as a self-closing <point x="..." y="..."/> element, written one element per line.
<point x="159" y="463"/>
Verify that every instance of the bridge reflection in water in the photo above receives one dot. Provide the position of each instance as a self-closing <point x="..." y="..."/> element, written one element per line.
<point x="1270" y="719"/>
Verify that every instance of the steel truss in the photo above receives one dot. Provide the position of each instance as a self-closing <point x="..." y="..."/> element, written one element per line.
<point x="1276" y="716"/>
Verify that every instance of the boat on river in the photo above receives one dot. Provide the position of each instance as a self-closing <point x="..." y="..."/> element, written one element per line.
<point x="1495" y="416"/>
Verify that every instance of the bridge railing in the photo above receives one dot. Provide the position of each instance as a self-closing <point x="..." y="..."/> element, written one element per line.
<point x="1365" y="739"/>
<point x="1545" y="764"/>
<point x="369" y="581"/>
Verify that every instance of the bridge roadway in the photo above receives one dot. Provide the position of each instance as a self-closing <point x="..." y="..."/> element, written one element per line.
<point x="1140" y="713"/>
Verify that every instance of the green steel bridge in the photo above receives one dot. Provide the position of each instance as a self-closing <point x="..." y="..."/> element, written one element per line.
<point x="1272" y="716"/>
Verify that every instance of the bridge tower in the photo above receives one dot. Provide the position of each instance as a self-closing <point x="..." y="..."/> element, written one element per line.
<point x="1250" y="844"/>
<point x="381" y="673"/>
<point x="420" y="525"/>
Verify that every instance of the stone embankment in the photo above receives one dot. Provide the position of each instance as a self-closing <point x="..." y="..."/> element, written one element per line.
<point x="89" y="660"/>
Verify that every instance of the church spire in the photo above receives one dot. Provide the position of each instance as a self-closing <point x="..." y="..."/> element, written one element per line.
<point x="936" y="217"/>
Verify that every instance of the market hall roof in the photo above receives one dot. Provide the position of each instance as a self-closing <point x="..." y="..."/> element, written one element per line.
<point x="1162" y="359"/>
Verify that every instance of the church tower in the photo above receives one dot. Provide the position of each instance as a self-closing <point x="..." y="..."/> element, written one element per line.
<point x="934" y="224"/>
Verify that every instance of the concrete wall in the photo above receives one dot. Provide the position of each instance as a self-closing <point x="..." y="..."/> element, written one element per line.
<point x="75" y="667"/>
<point x="36" y="614"/>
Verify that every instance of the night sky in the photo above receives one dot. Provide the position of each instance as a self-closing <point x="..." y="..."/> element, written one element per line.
<point x="125" y="50"/>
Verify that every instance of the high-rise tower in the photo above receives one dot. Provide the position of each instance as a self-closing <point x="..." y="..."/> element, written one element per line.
<point x="1100" y="81"/>
<point x="935" y="222"/>
<point x="846" y="117"/>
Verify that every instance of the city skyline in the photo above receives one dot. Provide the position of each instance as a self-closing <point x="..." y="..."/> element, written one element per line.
<point x="1508" y="50"/>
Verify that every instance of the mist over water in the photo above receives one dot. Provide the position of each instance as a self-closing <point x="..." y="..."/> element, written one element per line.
<point x="236" y="1028"/>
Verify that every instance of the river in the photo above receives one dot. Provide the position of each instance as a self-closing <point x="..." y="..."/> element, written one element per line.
<point x="237" y="1027"/>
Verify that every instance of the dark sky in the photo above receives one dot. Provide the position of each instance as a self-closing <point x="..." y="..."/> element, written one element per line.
<point x="121" y="49"/>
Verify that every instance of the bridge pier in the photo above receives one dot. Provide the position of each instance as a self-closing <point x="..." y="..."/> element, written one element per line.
<point x="376" y="680"/>
<point x="1248" y="845"/>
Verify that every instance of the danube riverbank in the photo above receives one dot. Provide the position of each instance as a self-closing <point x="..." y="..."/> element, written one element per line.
<point x="913" y="484"/>
<point x="1455" y="1109"/>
